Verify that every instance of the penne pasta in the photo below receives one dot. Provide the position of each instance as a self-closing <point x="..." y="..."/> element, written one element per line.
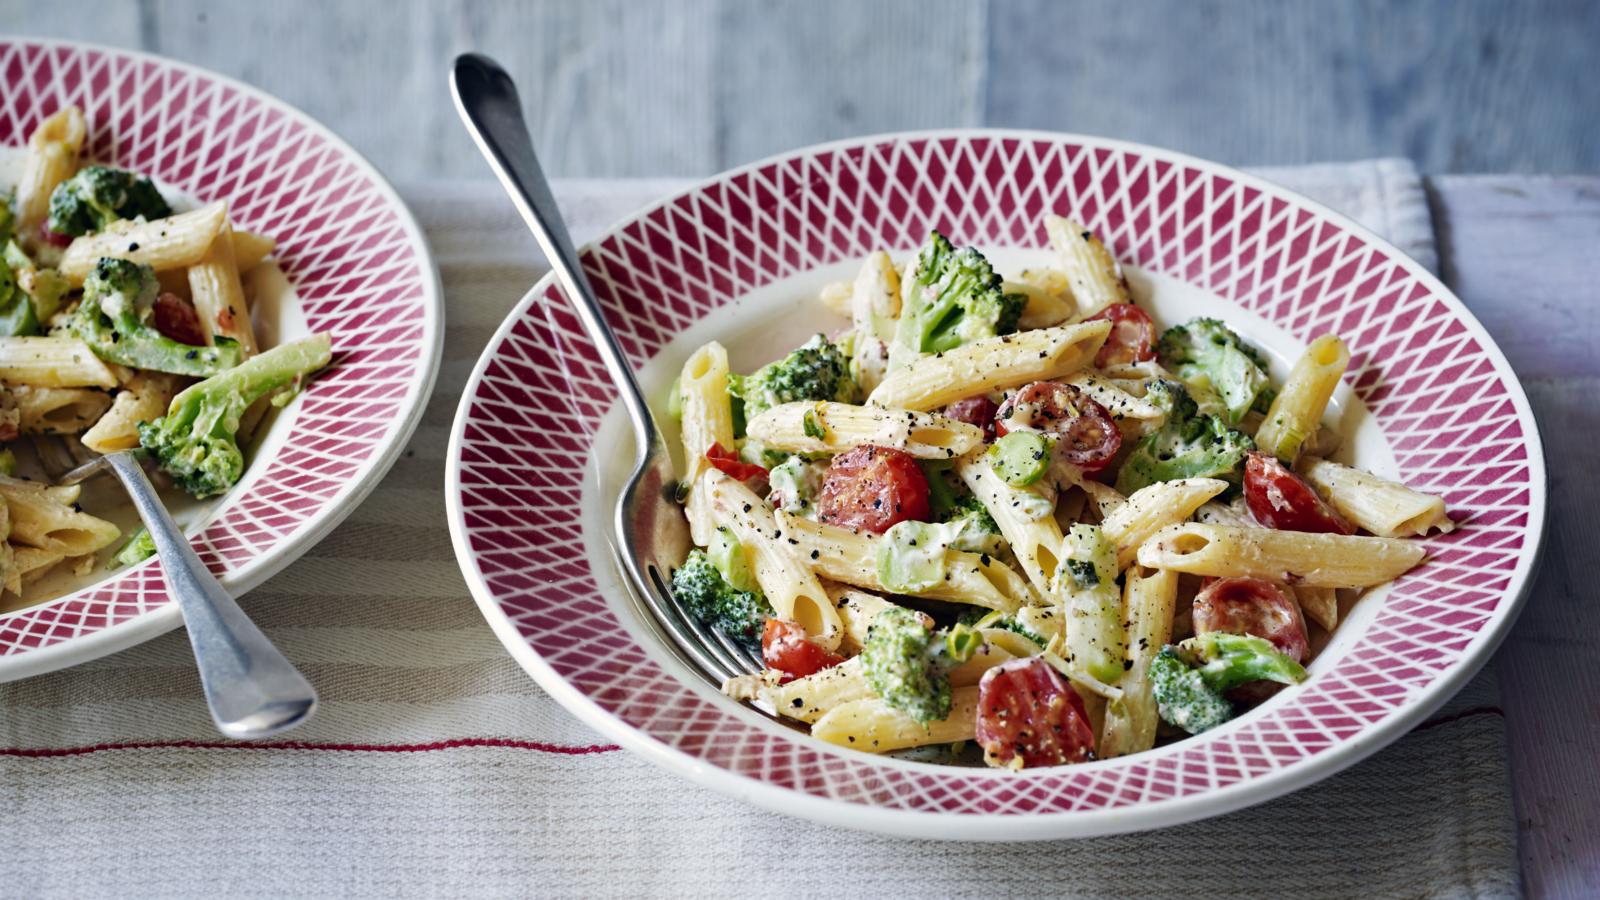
<point x="53" y="150"/>
<point x="174" y="242"/>
<point x="249" y="248"/>
<point x="788" y="583"/>
<point x="52" y="410"/>
<point x="991" y="364"/>
<point x="872" y="726"/>
<point x="31" y="564"/>
<point x="1149" y="599"/>
<point x="59" y="362"/>
<point x="1385" y="508"/>
<point x="1319" y="604"/>
<point x="45" y="518"/>
<point x="144" y="398"/>
<point x="1292" y="557"/>
<point x="857" y="610"/>
<point x="810" y="698"/>
<point x="218" y="295"/>
<point x="1048" y="296"/>
<point x="1152" y="508"/>
<point x="706" y="421"/>
<point x="1035" y="539"/>
<point x="1120" y="403"/>
<point x="850" y="557"/>
<point x="1296" y="413"/>
<point x="1091" y="270"/>
<point x="874" y="306"/>
<point x="825" y="427"/>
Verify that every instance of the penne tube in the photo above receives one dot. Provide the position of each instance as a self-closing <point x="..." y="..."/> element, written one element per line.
<point x="788" y="583"/>
<point x="1296" y="413"/>
<point x="1149" y="599"/>
<point x="1292" y="557"/>
<point x="850" y="557"/>
<point x="51" y="410"/>
<point x="53" y="362"/>
<point x="31" y="564"/>
<point x="1154" y="507"/>
<point x="177" y="241"/>
<point x="53" y="150"/>
<point x="1120" y="403"/>
<point x="857" y="611"/>
<point x="991" y="364"/>
<point x="706" y="420"/>
<point x="144" y="398"/>
<point x="1024" y="519"/>
<point x="1319" y="604"/>
<point x="1090" y="268"/>
<point x="825" y="427"/>
<point x="1385" y="508"/>
<point x="810" y="698"/>
<point x="250" y="249"/>
<point x="45" y="518"/>
<point x="218" y="296"/>
<point x="874" y="310"/>
<point x="1048" y="296"/>
<point x="870" y="725"/>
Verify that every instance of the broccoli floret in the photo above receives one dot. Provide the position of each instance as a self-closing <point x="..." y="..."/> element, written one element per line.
<point x="17" y="317"/>
<point x="113" y="319"/>
<point x="904" y="663"/>
<point x="958" y="298"/>
<point x="816" y="370"/>
<point x="44" y="286"/>
<point x="975" y="530"/>
<point x="1209" y="356"/>
<point x="1182" y="696"/>
<point x="98" y="196"/>
<point x="1189" y="444"/>
<point x="139" y="548"/>
<point x="1228" y="660"/>
<point x="196" y="441"/>
<point x="710" y="599"/>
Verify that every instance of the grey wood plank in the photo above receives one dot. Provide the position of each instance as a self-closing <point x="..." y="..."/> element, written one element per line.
<point x="791" y="74"/>
<point x="1519" y="251"/>
<point x="117" y="23"/>
<point x="1469" y="86"/>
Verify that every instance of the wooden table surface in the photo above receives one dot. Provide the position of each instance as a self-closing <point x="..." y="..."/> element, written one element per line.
<point x="1524" y="254"/>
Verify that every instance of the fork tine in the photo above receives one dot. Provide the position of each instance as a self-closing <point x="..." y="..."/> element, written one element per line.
<point x="712" y="660"/>
<point x="746" y="657"/>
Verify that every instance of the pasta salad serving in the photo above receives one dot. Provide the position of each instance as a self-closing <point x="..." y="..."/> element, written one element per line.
<point x="1016" y="520"/>
<point x="123" y="324"/>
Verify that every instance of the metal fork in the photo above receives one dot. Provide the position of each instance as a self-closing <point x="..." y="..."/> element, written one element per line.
<point x="253" y="692"/>
<point x="649" y="531"/>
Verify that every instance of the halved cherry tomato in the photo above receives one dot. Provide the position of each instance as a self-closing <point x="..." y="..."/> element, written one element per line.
<point x="1026" y="710"/>
<point x="1280" y="499"/>
<point x="1132" y="335"/>
<point x="730" y="463"/>
<point x="785" y="647"/>
<point x="1087" y="435"/>
<point x="53" y="238"/>
<point x="1252" y="606"/>
<point x="176" y="318"/>
<point x="977" y="411"/>
<point x="873" y="488"/>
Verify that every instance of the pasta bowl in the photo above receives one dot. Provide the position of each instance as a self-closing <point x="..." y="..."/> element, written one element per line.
<point x="538" y="456"/>
<point x="349" y="261"/>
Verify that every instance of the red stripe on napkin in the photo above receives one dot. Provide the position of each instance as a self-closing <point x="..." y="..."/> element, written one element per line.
<point x="500" y="743"/>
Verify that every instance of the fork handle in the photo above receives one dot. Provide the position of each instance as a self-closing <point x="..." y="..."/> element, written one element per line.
<point x="252" y="690"/>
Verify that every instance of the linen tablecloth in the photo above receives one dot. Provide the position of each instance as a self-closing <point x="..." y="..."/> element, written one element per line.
<point x="436" y="766"/>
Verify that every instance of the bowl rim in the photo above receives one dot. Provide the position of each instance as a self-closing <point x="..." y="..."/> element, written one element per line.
<point x="162" y="619"/>
<point x="991" y="827"/>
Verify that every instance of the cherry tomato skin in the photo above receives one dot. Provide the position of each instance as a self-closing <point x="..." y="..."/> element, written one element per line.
<point x="1252" y="606"/>
<point x="785" y="647"/>
<point x="979" y="411"/>
<point x="1026" y="710"/>
<point x="1131" y="338"/>
<point x="53" y="238"/>
<point x="1278" y="498"/>
<point x="1086" y="433"/>
<point x="730" y="463"/>
<point x="176" y="318"/>
<point x="873" y="488"/>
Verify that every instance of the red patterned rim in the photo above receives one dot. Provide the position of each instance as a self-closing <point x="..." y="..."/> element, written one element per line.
<point x="1441" y="392"/>
<point x="355" y="258"/>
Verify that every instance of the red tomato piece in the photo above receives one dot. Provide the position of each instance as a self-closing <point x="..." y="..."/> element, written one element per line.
<point x="176" y="318"/>
<point x="1131" y="338"/>
<point x="872" y="489"/>
<point x="1026" y="710"/>
<point x="1278" y="498"/>
<point x="53" y="238"/>
<point x="785" y="647"/>
<point x="1086" y="434"/>
<point x="977" y="411"/>
<point x="1252" y="606"/>
<point x="730" y="463"/>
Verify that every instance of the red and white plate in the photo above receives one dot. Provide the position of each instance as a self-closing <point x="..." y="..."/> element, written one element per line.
<point x="538" y="455"/>
<point x="350" y="261"/>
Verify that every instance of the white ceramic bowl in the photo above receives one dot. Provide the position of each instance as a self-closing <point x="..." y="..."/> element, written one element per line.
<point x="538" y="456"/>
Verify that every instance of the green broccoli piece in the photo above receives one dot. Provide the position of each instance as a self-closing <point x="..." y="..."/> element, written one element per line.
<point x="113" y="320"/>
<point x="975" y="530"/>
<point x="196" y="441"/>
<point x="904" y="661"/>
<point x="17" y="318"/>
<point x="711" y="600"/>
<point x="1228" y="660"/>
<point x="44" y="286"/>
<point x="8" y="222"/>
<point x="1182" y="696"/>
<point x="958" y="299"/>
<point x="139" y="548"/>
<point x="98" y="196"/>
<point x="1189" y="444"/>
<point x="1209" y="356"/>
<point x="816" y="370"/>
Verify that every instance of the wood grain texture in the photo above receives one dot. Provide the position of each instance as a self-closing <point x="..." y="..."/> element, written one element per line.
<point x="688" y="87"/>
<point x="1520" y="252"/>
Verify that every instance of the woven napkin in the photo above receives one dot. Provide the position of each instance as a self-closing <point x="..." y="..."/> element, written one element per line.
<point x="436" y="766"/>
